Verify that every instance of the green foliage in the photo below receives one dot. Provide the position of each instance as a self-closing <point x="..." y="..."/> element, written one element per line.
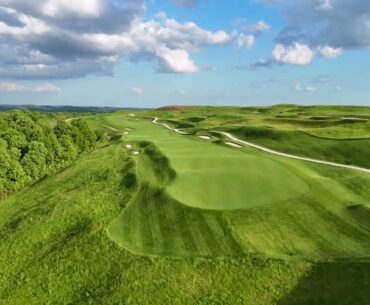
<point x="82" y="135"/>
<point x="31" y="146"/>
<point x="34" y="161"/>
<point x="69" y="151"/>
<point x="12" y="174"/>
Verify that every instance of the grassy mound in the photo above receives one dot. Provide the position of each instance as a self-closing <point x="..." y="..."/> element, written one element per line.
<point x="302" y="144"/>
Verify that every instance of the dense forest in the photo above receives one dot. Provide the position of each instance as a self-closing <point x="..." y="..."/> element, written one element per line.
<point x="34" y="144"/>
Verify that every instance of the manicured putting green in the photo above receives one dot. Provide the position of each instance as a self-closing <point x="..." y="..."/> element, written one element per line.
<point x="210" y="176"/>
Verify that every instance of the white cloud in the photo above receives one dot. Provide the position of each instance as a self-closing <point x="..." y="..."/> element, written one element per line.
<point x="295" y="54"/>
<point x="11" y="87"/>
<point x="260" y="26"/>
<point x="137" y="90"/>
<point x="310" y="89"/>
<point x="186" y="35"/>
<point x="47" y="87"/>
<point x="249" y="32"/>
<point x="182" y="92"/>
<point x="251" y="28"/>
<point x="338" y="88"/>
<point x="299" y="87"/>
<point x="329" y="52"/>
<point x="246" y="41"/>
<point x="16" y="87"/>
<point x="176" y="61"/>
<point x="90" y="8"/>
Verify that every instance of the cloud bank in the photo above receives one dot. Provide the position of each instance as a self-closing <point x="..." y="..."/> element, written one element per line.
<point x="52" y="39"/>
<point x="325" y="28"/>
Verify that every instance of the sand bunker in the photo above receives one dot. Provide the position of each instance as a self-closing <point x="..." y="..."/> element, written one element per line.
<point x="233" y="144"/>
<point x="205" y="137"/>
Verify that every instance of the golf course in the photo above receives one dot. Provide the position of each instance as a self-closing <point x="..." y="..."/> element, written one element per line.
<point x="198" y="182"/>
<point x="192" y="205"/>
<point x="184" y="152"/>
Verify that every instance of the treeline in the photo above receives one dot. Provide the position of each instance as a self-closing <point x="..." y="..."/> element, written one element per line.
<point x="33" y="145"/>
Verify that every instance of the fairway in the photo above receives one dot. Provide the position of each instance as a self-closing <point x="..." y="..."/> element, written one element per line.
<point x="210" y="176"/>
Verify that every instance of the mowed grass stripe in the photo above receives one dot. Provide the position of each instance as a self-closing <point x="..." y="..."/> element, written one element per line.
<point x="186" y="220"/>
<point x="199" y="236"/>
<point x="229" y="243"/>
<point x="154" y="225"/>
<point x="168" y="231"/>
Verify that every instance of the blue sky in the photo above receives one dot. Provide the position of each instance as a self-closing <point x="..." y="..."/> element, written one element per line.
<point x="136" y="53"/>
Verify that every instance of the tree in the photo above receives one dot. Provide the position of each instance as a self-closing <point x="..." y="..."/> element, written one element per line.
<point x="34" y="161"/>
<point x="30" y="146"/>
<point x="12" y="175"/>
<point x="68" y="148"/>
<point x="14" y="137"/>
<point x="82" y="135"/>
<point x="54" y="150"/>
<point x="61" y="129"/>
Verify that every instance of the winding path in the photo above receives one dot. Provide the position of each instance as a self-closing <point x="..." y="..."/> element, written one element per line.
<point x="111" y="128"/>
<point x="155" y="121"/>
<point x="270" y="151"/>
<point x="274" y="152"/>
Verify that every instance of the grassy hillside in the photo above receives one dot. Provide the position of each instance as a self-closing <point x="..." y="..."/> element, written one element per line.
<point x="117" y="227"/>
<point x="56" y="251"/>
<point x="302" y="144"/>
<point x="325" y="121"/>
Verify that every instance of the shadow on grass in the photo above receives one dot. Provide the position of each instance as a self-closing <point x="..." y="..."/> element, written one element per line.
<point x="332" y="284"/>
